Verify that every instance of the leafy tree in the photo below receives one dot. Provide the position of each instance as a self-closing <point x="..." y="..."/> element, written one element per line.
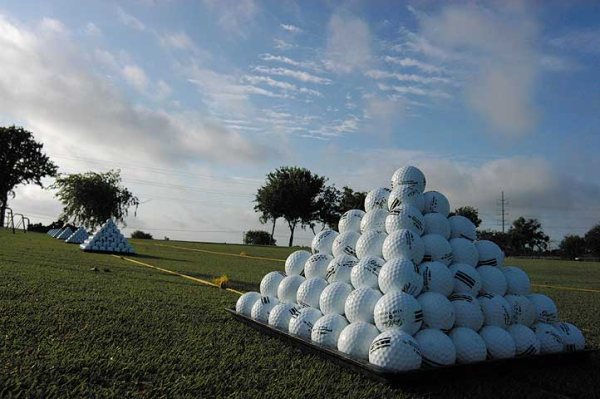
<point x="141" y="235"/>
<point x="351" y="199"/>
<point x="21" y="162"/>
<point x="592" y="239"/>
<point x="292" y="193"/>
<point x="572" y="246"/>
<point x="328" y="208"/>
<point x="526" y="235"/>
<point x="258" y="237"/>
<point x="266" y="200"/>
<point x="469" y="212"/>
<point x="503" y="240"/>
<point x="91" y="198"/>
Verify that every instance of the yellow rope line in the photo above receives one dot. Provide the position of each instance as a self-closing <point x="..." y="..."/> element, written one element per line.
<point x="198" y="280"/>
<point x="566" y="288"/>
<point x="220" y="253"/>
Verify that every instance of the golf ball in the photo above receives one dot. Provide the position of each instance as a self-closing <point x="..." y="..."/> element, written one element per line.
<point x="437" y="349"/>
<point x="436" y="202"/>
<point x="350" y="221"/>
<point x="370" y="243"/>
<point x="377" y="199"/>
<point x="526" y="342"/>
<point x="436" y="223"/>
<point x="366" y="272"/>
<point x="466" y="278"/>
<point x="438" y="311"/>
<point x="470" y="347"/>
<point x="404" y="244"/>
<point x="355" y="339"/>
<point x="572" y="336"/>
<point x="316" y="265"/>
<point x="345" y="244"/>
<point x="309" y="292"/>
<point x="551" y="339"/>
<point x="545" y="308"/>
<point x="322" y="242"/>
<point x="326" y="331"/>
<point x="405" y="217"/>
<point x="400" y="275"/>
<point x="245" y="302"/>
<point x="340" y="268"/>
<point x="333" y="298"/>
<point x="496" y="310"/>
<point x="360" y="305"/>
<point x="437" y="277"/>
<point x="522" y="310"/>
<point x="261" y="309"/>
<point x="517" y="281"/>
<point x="270" y="283"/>
<point x="294" y="264"/>
<point x="490" y="254"/>
<point x="437" y="248"/>
<point x="288" y="288"/>
<point x="462" y="227"/>
<point x="398" y="310"/>
<point x="405" y="195"/>
<point x="492" y="280"/>
<point x="374" y="220"/>
<point x="395" y="350"/>
<point x="467" y="311"/>
<point x="500" y="344"/>
<point x="409" y="176"/>
<point x="281" y="314"/>
<point x="302" y="322"/>
<point x="464" y="251"/>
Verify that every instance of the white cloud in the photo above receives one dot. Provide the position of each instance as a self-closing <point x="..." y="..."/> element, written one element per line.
<point x="290" y="28"/>
<point x="348" y="44"/>
<point x="136" y="77"/>
<point x="411" y="62"/>
<point x="295" y="74"/>
<point x="283" y="45"/>
<point x="403" y="77"/>
<point x="234" y="16"/>
<point x="91" y="29"/>
<point x="286" y="60"/>
<point x="178" y="41"/>
<point x="130" y="21"/>
<point x="414" y="90"/>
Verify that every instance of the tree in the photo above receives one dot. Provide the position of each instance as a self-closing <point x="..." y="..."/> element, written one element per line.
<point x="292" y="193"/>
<point x="592" y="239"/>
<point x="258" y="237"/>
<point x="526" y="235"/>
<point x="572" y="246"/>
<point x="501" y="239"/>
<point x="141" y="235"/>
<point x="351" y="199"/>
<point x="469" y="212"/>
<point x="21" y="162"/>
<point x="328" y="208"/>
<point x="91" y="198"/>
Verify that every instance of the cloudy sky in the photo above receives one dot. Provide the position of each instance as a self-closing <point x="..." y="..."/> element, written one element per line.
<point x="196" y="101"/>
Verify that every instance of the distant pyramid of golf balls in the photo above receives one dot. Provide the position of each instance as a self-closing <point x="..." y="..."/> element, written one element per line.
<point x="404" y="286"/>
<point x="78" y="237"/>
<point x="108" y="239"/>
<point x="64" y="234"/>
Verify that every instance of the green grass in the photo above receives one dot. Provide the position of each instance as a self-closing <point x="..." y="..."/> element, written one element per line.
<point x="124" y="330"/>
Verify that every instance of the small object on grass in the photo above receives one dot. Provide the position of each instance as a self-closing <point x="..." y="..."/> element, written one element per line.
<point x="94" y="269"/>
<point x="243" y="253"/>
<point x="106" y="269"/>
<point x="222" y="282"/>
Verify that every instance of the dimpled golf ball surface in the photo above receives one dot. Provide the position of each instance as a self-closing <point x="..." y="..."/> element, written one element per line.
<point x="467" y="311"/>
<point x="370" y="243"/>
<point x="340" y="268"/>
<point x="462" y="227"/>
<point x="405" y="217"/>
<point x="545" y="308"/>
<point x="436" y="202"/>
<point x="360" y="305"/>
<point x="522" y="310"/>
<point x="490" y="254"/>
<point x="466" y="278"/>
<point x="327" y="329"/>
<point x="261" y="309"/>
<point x="280" y="315"/>
<point x="496" y="310"/>
<point x="437" y="277"/>
<point x="374" y="220"/>
<point x="492" y="280"/>
<point x="526" y="342"/>
<point x="365" y="273"/>
<point x="395" y="350"/>
<point x="398" y="310"/>
<point x="322" y="242"/>
<point x="350" y="221"/>
<point x="288" y="288"/>
<point x="355" y="339"/>
<point x="301" y="323"/>
<point x="437" y="248"/>
<point x="377" y="199"/>
<point x="518" y="282"/>
<point x="499" y="342"/>
<point x="437" y="349"/>
<point x="404" y="244"/>
<point x="309" y="292"/>
<point x="436" y="223"/>
<point x="551" y="339"/>
<point x="245" y="302"/>
<point x="316" y="266"/>
<point x="464" y="251"/>
<point x="400" y="275"/>
<point x="270" y="283"/>
<point x="294" y="264"/>
<point x="410" y="176"/>
<point x="469" y="345"/>
<point x="438" y="311"/>
<point x="345" y="244"/>
<point x="405" y="195"/>
<point x="333" y="298"/>
<point x="572" y="336"/>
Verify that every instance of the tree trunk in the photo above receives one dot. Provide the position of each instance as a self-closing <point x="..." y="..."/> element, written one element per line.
<point x="273" y="229"/>
<point x="292" y="227"/>
<point x="3" y="204"/>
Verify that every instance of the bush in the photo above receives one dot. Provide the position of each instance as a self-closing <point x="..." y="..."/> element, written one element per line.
<point x="141" y="235"/>
<point x="258" y="237"/>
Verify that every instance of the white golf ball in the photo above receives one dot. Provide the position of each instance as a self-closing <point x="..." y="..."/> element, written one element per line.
<point x="374" y="220"/>
<point x="350" y="221"/>
<point x="438" y="311"/>
<point x="322" y="242"/>
<point x="377" y="199"/>
<point x="400" y="275"/>
<point x="340" y="268"/>
<point x="490" y="254"/>
<point x="281" y="314"/>
<point x="404" y="244"/>
<point x="326" y="331"/>
<point x="398" y="310"/>
<point x="572" y="336"/>
<point x="409" y="176"/>
<point x="466" y="278"/>
<point x="464" y="251"/>
<point x="492" y="280"/>
<point x="405" y="195"/>
<point x="294" y="264"/>
<point x="467" y="311"/>
<point x="522" y="310"/>
<point x="270" y="283"/>
<point x="437" y="277"/>
<point x="261" y="309"/>
<point x="437" y="349"/>
<point x="437" y="248"/>
<point x="500" y="344"/>
<point x="496" y="310"/>
<point x="345" y="244"/>
<point x="545" y="308"/>
<point x="333" y="298"/>
<point x="309" y="292"/>
<point x="470" y="347"/>
<point x="288" y="288"/>
<point x="517" y="281"/>
<point x="301" y="323"/>
<point x="405" y="217"/>
<point x="436" y="223"/>
<point x="360" y="305"/>
<point x="436" y="202"/>
<point x="245" y="302"/>
<point x="355" y="340"/>
<point x="551" y="339"/>
<point x="526" y="342"/>
<point x="316" y="265"/>
<point x="395" y="350"/>
<point x="462" y="227"/>
<point x="370" y="243"/>
<point x="366" y="272"/>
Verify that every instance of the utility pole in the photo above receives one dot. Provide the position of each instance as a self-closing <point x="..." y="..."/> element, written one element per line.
<point x="502" y="212"/>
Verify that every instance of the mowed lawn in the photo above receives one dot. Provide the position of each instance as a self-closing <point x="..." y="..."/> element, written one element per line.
<point x="75" y="324"/>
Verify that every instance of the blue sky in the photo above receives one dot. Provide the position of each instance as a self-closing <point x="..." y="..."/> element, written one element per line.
<point x="197" y="101"/>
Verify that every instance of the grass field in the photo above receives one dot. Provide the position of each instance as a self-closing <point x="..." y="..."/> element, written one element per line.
<point x="74" y="324"/>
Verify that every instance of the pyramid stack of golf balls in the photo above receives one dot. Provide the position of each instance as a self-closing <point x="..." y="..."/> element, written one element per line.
<point x="108" y="239"/>
<point x="78" y="237"/>
<point x="404" y="286"/>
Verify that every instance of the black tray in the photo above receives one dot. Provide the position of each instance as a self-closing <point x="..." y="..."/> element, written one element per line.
<point x="396" y="378"/>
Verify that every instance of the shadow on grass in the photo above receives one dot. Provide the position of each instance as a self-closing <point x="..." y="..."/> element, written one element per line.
<point x="152" y="257"/>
